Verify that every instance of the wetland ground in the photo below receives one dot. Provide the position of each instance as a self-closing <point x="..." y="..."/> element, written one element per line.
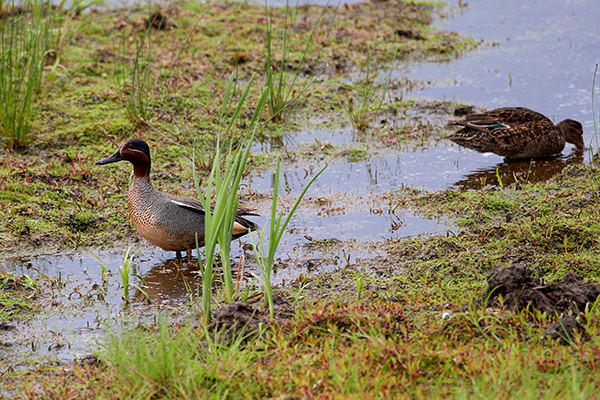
<point x="386" y="263"/>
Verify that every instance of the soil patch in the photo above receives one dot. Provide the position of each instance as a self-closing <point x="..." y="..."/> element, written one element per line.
<point x="564" y="330"/>
<point x="520" y="290"/>
<point x="238" y="318"/>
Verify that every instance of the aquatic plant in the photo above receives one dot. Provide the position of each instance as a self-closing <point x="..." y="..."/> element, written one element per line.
<point x="284" y="88"/>
<point x="25" y="40"/>
<point x="224" y="180"/>
<point x="126" y="271"/>
<point x="360" y="282"/>
<point x="366" y="97"/>
<point x="104" y="271"/>
<point x="276" y="229"/>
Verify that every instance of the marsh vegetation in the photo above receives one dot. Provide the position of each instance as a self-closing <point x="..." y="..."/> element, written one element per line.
<point x="203" y="82"/>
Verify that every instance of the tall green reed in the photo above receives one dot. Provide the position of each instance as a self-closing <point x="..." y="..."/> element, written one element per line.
<point x="276" y="230"/>
<point x="284" y="88"/>
<point x="223" y="181"/>
<point x="26" y="31"/>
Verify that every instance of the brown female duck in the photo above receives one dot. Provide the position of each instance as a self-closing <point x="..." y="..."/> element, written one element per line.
<point x="168" y="221"/>
<point x="516" y="132"/>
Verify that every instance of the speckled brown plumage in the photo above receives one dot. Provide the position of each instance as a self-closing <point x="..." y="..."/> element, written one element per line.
<point x="516" y="132"/>
<point x="168" y="221"/>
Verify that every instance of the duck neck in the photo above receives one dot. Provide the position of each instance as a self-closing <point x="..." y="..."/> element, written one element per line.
<point x="141" y="169"/>
<point x="142" y="182"/>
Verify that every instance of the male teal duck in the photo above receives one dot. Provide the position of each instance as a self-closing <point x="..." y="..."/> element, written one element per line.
<point x="516" y="132"/>
<point x="168" y="221"/>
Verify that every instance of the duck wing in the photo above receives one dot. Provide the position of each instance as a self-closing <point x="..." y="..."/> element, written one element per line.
<point x="240" y="227"/>
<point x="197" y="207"/>
<point x="500" y="118"/>
<point x="189" y="204"/>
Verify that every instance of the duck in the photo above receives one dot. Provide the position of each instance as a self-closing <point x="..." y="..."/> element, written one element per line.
<point x="516" y="133"/>
<point x="168" y="221"/>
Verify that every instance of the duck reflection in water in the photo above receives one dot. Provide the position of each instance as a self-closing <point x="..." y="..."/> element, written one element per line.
<point x="520" y="171"/>
<point x="170" y="282"/>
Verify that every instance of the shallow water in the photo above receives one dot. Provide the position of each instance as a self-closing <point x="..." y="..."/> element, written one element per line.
<point x="542" y="55"/>
<point x="544" y="60"/>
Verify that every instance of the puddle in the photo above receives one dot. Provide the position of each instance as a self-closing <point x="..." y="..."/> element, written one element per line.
<point x="545" y="61"/>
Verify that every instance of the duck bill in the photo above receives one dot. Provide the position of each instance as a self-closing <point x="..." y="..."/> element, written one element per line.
<point x="114" y="158"/>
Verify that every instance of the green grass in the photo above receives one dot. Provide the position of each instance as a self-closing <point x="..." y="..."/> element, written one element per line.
<point x="345" y="350"/>
<point x="366" y="96"/>
<point x="16" y="293"/>
<point x="25" y="41"/>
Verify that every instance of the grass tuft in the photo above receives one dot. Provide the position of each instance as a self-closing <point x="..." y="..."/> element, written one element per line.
<point x="26" y="34"/>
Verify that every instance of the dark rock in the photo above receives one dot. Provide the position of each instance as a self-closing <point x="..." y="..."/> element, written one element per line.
<point x="5" y="326"/>
<point x="90" y="361"/>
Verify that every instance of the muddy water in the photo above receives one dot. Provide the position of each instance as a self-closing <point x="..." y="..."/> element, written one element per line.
<point x="544" y="59"/>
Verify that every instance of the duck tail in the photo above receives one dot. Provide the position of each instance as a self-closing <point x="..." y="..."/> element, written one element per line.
<point x="242" y="226"/>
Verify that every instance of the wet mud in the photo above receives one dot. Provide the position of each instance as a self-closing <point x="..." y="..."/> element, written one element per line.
<point x="242" y="321"/>
<point x="516" y="288"/>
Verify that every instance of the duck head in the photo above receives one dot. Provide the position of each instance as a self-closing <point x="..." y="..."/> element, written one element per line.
<point x="573" y="132"/>
<point x="137" y="152"/>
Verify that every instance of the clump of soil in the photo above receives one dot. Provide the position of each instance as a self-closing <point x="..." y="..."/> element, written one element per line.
<point x="235" y="319"/>
<point x="239" y="318"/>
<point x="90" y="361"/>
<point x="564" y="330"/>
<point x="520" y="290"/>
